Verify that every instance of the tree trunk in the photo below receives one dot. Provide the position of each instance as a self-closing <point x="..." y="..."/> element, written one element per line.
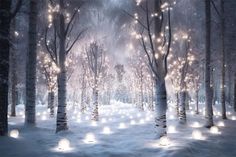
<point x="13" y="84"/>
<point x="161" y="107"/>
<point x="51" y="97"/>
<point x="31" y="65"/>
<point x="83" y="107"/>
<point x="177" y="103"/>
<point x="235" y="93"/>
<point x="208" y="89"/>
<point x="223" y="62"/>
<point x="61" y="79"/>
<point x="13" y="77"/>
<point x="95" y="115"/>
<point x="182" y="107"/>
<point x="5" y="20"/>
<point x="196" y="102"/>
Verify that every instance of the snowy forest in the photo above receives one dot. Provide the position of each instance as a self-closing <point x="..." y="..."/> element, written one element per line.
<point x="118" y="78"/>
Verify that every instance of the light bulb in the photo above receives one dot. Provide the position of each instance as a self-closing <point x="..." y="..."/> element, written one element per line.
<point x="64" y="144"/>
<point x="196" y="134"/>
<point x="164" y="141"/>
<point x="14" y="133"/>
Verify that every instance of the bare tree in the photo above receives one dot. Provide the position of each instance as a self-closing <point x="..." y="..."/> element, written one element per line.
<point x="58" y="47"/>
<point x="208" y="88"/>
<point x="5" y="20"/>
<point x="96" y="60"/>
<point x="31" y="65"/>
<point x="156" y="41"/>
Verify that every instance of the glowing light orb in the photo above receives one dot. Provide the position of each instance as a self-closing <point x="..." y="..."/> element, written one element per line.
<point x="14" y="133"/>
<point x="103" y="120"/>
<point x="171" y="129"/>
<point x="122" y="126"/>
<point x="90" y="138"/>
<point x="164" y="141"/>
<point x="44" y="117"/>
<point x="147" y="118"/>
<point x="228" y="113"/>
<point x="138" y="115"/>
<point x="21" y="113"/>
<point x="87" y="118"/>
<point x="132" y="122"/>
<point x="197" y="135"/>
<point x="196" y="125"/>
<point x="106" y="130"/>
<point x="171" y="117"/>
<point x="233" y="118"/>
<point x="94" y="123"/>
<point x="214" y="130"/>
<point x="220" y="124"/>
<point x="78" y="120"/>
<point x="64" y="144"/>
<point x="38" y="113"/>
<point x="141" y="121"/>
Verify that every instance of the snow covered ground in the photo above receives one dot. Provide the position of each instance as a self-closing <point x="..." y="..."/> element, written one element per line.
<point x="122" y="131"/>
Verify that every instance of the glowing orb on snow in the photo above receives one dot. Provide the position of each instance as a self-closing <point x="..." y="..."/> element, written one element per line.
<point x="64" y="144"/>
<point x="106" y="130"/>
<point x="90" y="138"/>
<point x="14" y="133"/>
<point x="132" y="122"/>
<point x="221" y="124"/>
<point x="171" y="129"/>
<point x="87" y="118"/>
<point x="21" y="113"/>
<point x="138" y="115"/>
<point x="233" y="118"/>
<point x="171" y="117"/>
<point x="94" y="123"/>
<point x="103" y="120"/>
<point x="44" y="117"/>
<point x="196" y="125"/>
<point x="197" y="135"/>
<point x="141" y="121"/>
<point x="38" y="113"/>
<point x="164" y="141"/>
<point x="214" y="130"/>
<point x="192" y="112"/>
<point x="122" y="126"/>
<point x="78" y="120"/>
<point x="130" y="117"/>
<point x="228" y="113"/>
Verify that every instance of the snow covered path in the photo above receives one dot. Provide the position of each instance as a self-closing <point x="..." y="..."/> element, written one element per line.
<point x="131" y="135"/>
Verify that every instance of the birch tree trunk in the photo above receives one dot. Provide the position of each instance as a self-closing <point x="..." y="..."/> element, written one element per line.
<point x="196" y="102"/>
<point x="83" y="107"/>
<point x="160" y="108"/>
<point x="182" y="107"/>
<point x="208" y="89"/>
<point x="5" y="20"/>
<point x="51" y="97"/>
<point x="61" y="79"/>
<point x="95" y="115"/>
<point x="13" y="84"/>
<point x="31" y="65"/>
<point x="235" y="93"/>
<point x="223" y="61"/>
<point x="177" y="103"/>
